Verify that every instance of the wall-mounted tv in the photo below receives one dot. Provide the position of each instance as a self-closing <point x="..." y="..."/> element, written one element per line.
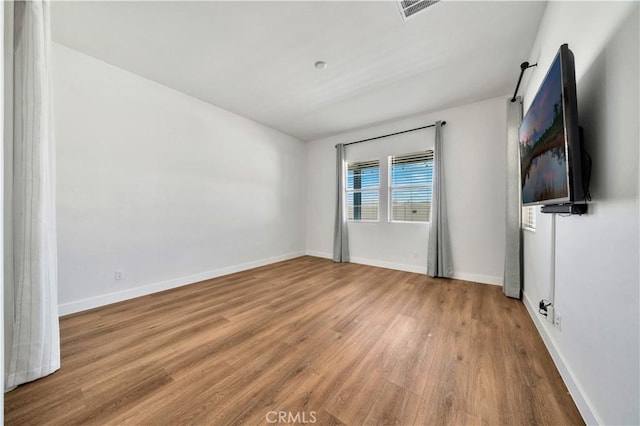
<point x="550" y="146"/>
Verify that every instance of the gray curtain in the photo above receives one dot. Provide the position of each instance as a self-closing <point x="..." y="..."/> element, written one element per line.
<point x="439" y="263"/>
<point x="340" y="235"/>
<point x="34" y="351"/>
<point x="512" y="281"/>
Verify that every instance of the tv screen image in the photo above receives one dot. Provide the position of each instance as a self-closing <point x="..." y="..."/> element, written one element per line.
<point x="543" y="143"/>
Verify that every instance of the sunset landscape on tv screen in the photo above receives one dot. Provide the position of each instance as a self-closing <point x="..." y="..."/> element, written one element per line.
<point x="543" y="153"/>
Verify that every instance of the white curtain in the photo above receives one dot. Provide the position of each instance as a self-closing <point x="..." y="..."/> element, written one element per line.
<point x="340" y="235"/>
<point x="439" y="263"/>
<point x="512" y="281"/>
<point x="34" y="350"/>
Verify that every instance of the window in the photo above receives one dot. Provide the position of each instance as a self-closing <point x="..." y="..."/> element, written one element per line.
<point x="529" y="218"/>
<point x="411" y="186"/>
<point x="363" y="190"/>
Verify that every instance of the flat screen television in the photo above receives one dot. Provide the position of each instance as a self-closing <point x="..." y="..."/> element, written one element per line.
<point x="549" y="136"/>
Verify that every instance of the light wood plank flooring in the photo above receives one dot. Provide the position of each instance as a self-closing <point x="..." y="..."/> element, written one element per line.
<point x="315" y="340"/>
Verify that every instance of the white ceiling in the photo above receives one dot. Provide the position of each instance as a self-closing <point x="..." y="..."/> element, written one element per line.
<point x="257" y="58"/>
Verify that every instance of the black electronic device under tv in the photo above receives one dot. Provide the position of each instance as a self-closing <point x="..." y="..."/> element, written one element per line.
<point x="550" y="146"/>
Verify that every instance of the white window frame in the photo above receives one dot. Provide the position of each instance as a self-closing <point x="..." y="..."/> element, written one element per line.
<point x="363" y="164"/>
<point x="391" y="160"/>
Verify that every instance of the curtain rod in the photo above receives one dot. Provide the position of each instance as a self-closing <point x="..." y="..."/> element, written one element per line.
<point x="393" y="134"/>
<point x="523" y="67"/>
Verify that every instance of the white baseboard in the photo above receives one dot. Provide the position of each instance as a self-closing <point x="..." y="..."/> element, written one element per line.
<point x="143" y="290"/>
<point x="390" y="265"/>
<point x="418" y="269"/>
<point x="575" y="390"/>
<point x="373" y="262"/>
<point x="477" y="278"/>
<point x="322" y="254"/>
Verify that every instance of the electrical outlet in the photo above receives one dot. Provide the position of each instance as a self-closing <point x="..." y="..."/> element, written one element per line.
<point x="119" y="274"/>
<point x="550" y="314"/>
<point x="558" y="321"/>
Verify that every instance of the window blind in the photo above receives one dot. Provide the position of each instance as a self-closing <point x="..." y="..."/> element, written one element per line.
<point x="363" y="190"/>
<point x="411" y="186"/>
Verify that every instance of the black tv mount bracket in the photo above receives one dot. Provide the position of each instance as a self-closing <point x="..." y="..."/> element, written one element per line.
<point x="523" y="67"/>
<point x="571" y="209"/>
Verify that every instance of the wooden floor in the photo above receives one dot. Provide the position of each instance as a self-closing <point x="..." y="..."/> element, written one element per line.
<point x="301" y="341"/>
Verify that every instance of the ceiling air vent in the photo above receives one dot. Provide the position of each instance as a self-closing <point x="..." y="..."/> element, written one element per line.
<point x="408" y="8"/>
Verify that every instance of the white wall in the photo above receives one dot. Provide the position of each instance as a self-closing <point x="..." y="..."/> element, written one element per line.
<point x="163" y="186"/>
<point x="597" y="279"/>
<point x="473" y="140"/>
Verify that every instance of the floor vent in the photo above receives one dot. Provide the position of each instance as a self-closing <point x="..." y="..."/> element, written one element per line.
<point x="408" y="8"/>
